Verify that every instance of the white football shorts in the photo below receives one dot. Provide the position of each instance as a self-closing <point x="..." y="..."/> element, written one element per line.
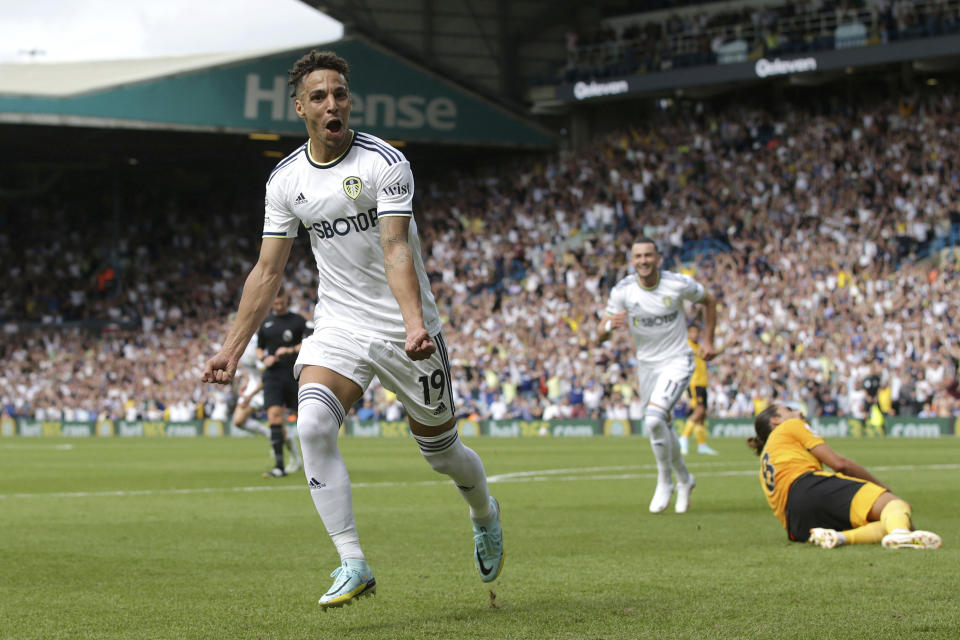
<point x="422" y="386"/>
<point x="662" y="383"/>
<point x="256" y="402"/>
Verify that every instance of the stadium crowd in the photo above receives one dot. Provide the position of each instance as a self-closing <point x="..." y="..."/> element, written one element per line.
<point x="643" y="44"/>
<point x="830" y="236"/>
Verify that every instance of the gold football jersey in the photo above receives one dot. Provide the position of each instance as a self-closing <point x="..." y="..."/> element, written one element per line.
<point x="785" y="458"/>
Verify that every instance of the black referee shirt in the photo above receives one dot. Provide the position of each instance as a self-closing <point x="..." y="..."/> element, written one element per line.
<point x="287" y="330"/>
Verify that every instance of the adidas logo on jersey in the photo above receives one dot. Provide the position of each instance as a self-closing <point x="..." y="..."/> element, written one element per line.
<point x="300" y="199"/>
<point x="440" y="409"/>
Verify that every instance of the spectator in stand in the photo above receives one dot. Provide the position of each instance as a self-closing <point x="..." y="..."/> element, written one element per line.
<point x="366" y="411"/>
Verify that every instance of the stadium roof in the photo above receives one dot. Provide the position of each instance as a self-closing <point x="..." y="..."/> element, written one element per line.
<point x="246" y="92"/>
<point x="65" y="79"/>
<point x="492" y="47"/>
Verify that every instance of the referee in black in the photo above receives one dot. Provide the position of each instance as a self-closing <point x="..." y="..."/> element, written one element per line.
<point x="278" y="343"/>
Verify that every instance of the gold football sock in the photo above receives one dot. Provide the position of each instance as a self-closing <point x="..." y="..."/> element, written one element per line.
<point x="896" y="515"/>
<point x="870" y="533"/>
<point x="701" y="432"/>
<point x="688" y="428"/>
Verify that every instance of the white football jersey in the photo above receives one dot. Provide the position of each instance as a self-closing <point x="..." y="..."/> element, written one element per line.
<point x="340" y="204"/>
<point x="658" y="324"/>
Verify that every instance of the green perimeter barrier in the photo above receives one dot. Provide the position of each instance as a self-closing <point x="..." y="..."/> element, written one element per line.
<point x="832" y="427"/>
<point x="843" y="427"/>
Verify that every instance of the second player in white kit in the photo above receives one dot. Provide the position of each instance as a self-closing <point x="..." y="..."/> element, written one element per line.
<point x="650" y="305"/>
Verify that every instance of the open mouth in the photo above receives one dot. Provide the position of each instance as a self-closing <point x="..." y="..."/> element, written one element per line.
<point x="334" y="126"/>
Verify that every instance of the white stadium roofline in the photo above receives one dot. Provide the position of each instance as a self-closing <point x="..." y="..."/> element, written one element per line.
<point x="246" y="91"/>
<point x="65" y="79"/>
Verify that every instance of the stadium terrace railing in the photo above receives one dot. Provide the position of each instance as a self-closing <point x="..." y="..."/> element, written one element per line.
<point x="628" y="52"/>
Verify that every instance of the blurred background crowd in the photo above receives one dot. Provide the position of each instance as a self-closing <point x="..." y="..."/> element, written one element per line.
<point x="679" y="35"/>
<point x="829" y="233"/>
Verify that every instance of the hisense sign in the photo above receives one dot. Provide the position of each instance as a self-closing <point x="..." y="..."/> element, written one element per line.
<point x="372" y="110"/>
<point x="392" y="98"/>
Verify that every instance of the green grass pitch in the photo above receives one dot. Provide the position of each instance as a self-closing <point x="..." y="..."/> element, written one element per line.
<point x="182" y="538"/>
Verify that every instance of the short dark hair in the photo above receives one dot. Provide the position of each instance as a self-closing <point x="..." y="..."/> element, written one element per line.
<point x="646" y="240"/>
<point x="313" y="61"/>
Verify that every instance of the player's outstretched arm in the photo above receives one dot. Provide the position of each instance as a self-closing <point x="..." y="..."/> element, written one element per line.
<point x="259" y="290"/>
<point x="843" y="465"/>
<point x="402" y="278"/>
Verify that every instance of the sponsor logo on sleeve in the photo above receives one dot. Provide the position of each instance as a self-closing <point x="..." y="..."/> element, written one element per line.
<point x="398" y="189"/>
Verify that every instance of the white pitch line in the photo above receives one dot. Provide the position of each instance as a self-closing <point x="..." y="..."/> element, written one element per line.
<point x="550" y="472"/>
<point x="534" y="476"/>
<point x="542" y="475"/>
<point x="47" y="447"/>
<point x="161" y="492"/>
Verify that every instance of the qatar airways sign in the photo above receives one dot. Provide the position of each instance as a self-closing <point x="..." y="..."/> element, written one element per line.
<point x="765" y="68"/>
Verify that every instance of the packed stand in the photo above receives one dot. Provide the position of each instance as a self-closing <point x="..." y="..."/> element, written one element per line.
<point x="831" y="240"/>
<point x="703" y="37"/>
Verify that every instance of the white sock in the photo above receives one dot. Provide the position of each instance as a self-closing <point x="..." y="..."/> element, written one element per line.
<point x="255" y="426"/>
<point x="676" y="458"/>
<point x="319" y="417"/>
<point x="447" y="454"/>
<point x="661" y="442"/>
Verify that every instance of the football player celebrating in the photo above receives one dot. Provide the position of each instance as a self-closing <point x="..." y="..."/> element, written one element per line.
<point x="375" y="315"/>
<point x="649" y="304"/>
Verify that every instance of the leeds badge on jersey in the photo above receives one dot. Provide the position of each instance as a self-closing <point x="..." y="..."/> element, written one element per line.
<point x="352" y="186"/>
